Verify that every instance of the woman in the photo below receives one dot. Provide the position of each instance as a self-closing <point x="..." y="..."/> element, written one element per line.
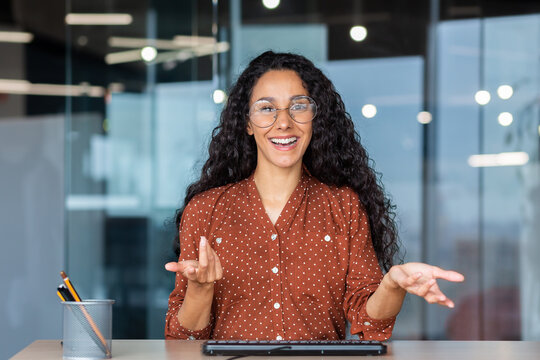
<point x="285" y="233"/>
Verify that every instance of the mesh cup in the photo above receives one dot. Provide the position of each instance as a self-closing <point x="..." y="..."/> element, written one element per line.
<point x="87" y="329"/>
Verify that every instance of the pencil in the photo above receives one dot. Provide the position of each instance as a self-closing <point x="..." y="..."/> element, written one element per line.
<point x="85" y="313"/>
<point x="70" y="286"/>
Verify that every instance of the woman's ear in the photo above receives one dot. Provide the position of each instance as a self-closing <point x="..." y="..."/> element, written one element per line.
<point x="249" y="128"/>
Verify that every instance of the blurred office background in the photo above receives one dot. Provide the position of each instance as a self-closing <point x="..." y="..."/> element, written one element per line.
<point x="106" y="108"/>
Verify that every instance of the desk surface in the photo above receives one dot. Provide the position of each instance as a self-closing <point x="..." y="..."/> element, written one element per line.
<point x="401" y="350"/>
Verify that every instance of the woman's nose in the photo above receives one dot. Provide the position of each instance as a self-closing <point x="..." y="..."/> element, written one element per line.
<point x="283" y="119"/>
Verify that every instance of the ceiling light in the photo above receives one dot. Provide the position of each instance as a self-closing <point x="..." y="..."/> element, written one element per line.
<point x="24" y="87"/>
<point x="505" y="92"/>
<point x="186" y="54"/>
<point x="369" y="111"/>
<point x="178" y="42"/>
<point x="270" y="4"/>
<point x="123" y="57"/>
<point x="190" y="41"/>
<point x="148" y="53"/>
<point x="482" y="97"/>
<point x="505" y="118"/>
<point x="424" y="117"/>
<point x="219" y="96"/>
<point x="82" y="40"/>
<point x="14" y="86"/>
<point x="133" y="43"/>
<point x="358" y="33"/>
<point x="99" y="19"/>
<point x="116" y="87"/>
<point x="15" y="37"/>
<point x="177" y="55"/>
<point x="501" y="159"/>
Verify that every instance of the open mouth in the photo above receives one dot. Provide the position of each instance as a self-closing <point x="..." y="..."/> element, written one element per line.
<point x="284" y="143"/>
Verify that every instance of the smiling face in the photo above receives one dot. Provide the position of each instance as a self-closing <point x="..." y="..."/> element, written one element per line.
<point x="284" y="143"/>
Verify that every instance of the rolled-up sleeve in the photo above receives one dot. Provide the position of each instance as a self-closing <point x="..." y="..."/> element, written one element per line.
<point x="363" y="279"/>
<point x="190" y="232"/>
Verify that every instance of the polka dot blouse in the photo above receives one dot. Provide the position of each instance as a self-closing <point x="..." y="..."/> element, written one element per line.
<point x="301" y="278"/>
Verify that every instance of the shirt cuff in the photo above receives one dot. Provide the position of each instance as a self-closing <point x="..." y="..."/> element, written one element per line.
<point x="176" y="331"/>
<point x="368" y="328"/>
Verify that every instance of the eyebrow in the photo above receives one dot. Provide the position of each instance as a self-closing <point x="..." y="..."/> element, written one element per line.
<point x="270" y="98"/>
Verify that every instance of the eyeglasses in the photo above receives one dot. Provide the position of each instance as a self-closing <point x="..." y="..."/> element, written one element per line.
<point x="263" y="113"/>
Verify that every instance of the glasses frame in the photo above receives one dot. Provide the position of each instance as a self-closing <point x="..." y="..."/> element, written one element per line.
<point x="287" y="108"/>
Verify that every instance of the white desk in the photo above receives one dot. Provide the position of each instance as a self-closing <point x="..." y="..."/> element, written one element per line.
<point x="401" y="350"/>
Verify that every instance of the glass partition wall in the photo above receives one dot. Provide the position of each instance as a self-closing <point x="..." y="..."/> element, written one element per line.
<point x="444" y="95"/>
<point x="132" y="151"/>
<point x="487" y="159"/>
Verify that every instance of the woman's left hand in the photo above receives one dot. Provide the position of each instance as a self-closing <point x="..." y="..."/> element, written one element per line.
<point x="421" y="279"/>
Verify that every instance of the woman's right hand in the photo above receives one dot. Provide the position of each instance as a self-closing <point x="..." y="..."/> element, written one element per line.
<point x="203" y="272"/>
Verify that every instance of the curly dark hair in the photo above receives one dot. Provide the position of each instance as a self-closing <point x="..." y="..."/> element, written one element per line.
<point x="334" y="155"/>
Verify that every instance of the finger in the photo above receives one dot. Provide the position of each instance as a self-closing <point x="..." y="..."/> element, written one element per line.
<point x="172" y="266"/>
<point x="441" y="298"/>
<point x="203" y="261"/>
<point x="411" y="280"/>
<point x="424" y="289"/>
<point x="434" y="294"/>
<point x="211" y="272"/>
<point x="179" y="266"/>
<point x="190" y="273"/>
<point x="448" y="275"/>
<point x="437" y="293"/>
<point x="447" y="302"/>
<point x="432" y="299"/>
<point x="188" y="269"/>
<point x="219" y="268"/>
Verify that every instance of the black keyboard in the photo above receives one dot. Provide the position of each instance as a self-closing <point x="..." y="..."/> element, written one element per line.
<point x="293" y="347"/>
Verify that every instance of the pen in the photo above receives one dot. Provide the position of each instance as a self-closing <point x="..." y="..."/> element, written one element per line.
<point x="77" y="298"/>
<point x="63" y="290"/>
<point x="74" y="293"/>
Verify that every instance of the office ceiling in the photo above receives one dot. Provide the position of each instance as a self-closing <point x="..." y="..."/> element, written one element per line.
<point x="397" y="27"/>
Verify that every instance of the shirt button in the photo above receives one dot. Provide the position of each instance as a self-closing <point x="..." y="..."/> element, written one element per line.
<point x="274" y="236"/>
<point x="276" y="305"/>
<point x="275" y="270"/>
<point x="279" y="337"/>
<point x="327" y="238"/>
<point x="191" y="338"/>
<point x="367" y="323"/>
<point x="218" y="240"/>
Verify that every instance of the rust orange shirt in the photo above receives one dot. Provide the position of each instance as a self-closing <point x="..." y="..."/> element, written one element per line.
<point x="301" y="278"/>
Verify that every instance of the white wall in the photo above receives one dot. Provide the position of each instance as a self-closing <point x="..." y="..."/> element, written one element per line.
<point x="31" y="230"/>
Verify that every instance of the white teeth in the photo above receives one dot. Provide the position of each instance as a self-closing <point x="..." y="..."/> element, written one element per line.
<point x="284" y="141"/>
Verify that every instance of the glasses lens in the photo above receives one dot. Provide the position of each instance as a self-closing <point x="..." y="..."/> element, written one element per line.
<point x="303" y="109"/>
<point x="262" y="113"/>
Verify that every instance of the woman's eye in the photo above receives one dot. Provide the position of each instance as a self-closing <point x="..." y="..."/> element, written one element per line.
<point x="266" y="109"/>
<point x="299" y="107"/>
